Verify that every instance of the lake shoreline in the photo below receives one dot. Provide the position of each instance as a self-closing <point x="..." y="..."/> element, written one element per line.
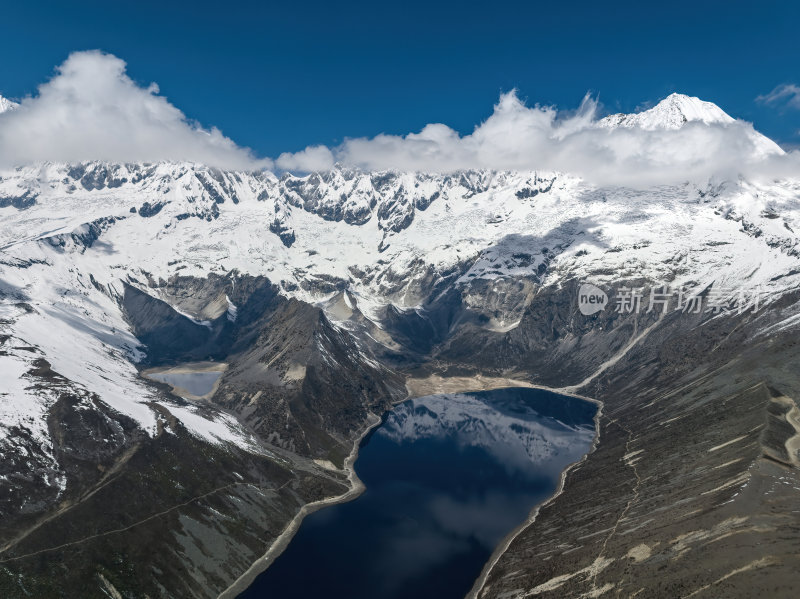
<point x="282" y="541"/>
<point x="416" y="388"/>
<point x="437" y="384"/>
<point x="187" y="368"/>
<point x="503" y="546"/>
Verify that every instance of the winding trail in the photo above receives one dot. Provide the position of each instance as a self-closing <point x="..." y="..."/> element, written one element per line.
<point x="129" y="527"/>
<point x="105" y="480"/>
<point x="630" y="460"/>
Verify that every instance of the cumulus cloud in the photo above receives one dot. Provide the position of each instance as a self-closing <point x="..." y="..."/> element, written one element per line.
<point x="520" y="137"/>
<point x="92" y="110"/>
<point x="313" y="158"/>
<point x="787" y="94"/>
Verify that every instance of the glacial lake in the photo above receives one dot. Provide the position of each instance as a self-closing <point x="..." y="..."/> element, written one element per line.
<point x="447" y="477"/>
<point x="196" y="383"/>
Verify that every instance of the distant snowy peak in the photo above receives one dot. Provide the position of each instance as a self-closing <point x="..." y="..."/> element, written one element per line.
<point x="676" y="110"/>
<point x="6" y="105"/>
<point x="671" y="113"/>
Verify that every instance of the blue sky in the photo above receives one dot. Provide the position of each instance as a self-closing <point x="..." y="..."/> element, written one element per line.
<point x="279" y="78"/>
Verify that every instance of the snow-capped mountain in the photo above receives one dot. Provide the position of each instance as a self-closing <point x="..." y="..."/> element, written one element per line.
<point x="672" y="112"/>
<point x="675" y="111"/>
<point x="316" y="291"/>
<point x="71" y="235"/>
<point x="6" y="105"/>
<point x="381" y="234"/>
<point x="71" y="243"/>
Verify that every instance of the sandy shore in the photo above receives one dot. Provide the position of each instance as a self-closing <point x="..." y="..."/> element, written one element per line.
<point x="189" y="368"/>
<point x="435" y="384"/>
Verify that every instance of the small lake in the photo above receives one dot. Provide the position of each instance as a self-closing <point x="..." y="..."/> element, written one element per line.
<point x="195" y="383"/>
<point x="447" y="477"/>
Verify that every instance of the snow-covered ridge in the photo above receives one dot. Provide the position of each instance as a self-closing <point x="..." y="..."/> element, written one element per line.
<point x="388" y="199"/>
<point x="677" y="110"/>
<point x="672" y="112"/>
<point x="6" y="105"/>
<point x="382" y="234"/>
<point x="70" y="235"/>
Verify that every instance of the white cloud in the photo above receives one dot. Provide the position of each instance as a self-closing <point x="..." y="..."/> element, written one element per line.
<point x="518" y="137"/>
<point x="313" y="158"/>
<point x="91" y="110"/>
<point x="787" y="94"/>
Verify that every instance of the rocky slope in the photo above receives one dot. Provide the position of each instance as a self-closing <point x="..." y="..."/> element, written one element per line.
<point x="692" y="490"/>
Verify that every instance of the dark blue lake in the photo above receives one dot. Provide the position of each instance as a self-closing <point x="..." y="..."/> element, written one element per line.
<point x="447" y="477"/>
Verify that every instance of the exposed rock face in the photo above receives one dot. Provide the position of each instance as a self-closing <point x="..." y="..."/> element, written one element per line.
<point x="167" y="335"/>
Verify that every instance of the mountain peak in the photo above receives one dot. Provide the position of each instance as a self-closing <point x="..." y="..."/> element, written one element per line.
<point x="671" y="113"/>
<point x="6" y="105"/>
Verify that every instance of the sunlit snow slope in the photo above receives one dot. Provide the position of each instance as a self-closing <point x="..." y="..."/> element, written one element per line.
<point x="71" y="235"/>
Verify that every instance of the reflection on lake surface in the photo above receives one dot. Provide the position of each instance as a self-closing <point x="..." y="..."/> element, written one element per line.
<point x="447" y="477"/>
<point x="195" y="383"/>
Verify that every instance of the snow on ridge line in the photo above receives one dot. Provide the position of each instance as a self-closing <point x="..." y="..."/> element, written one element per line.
<point x="671" y="113"/>
<point x="79" y="329"/>
<point x="7" y="105"/>
<point x="493" y="226"/>
<point x="494" y="217"/>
